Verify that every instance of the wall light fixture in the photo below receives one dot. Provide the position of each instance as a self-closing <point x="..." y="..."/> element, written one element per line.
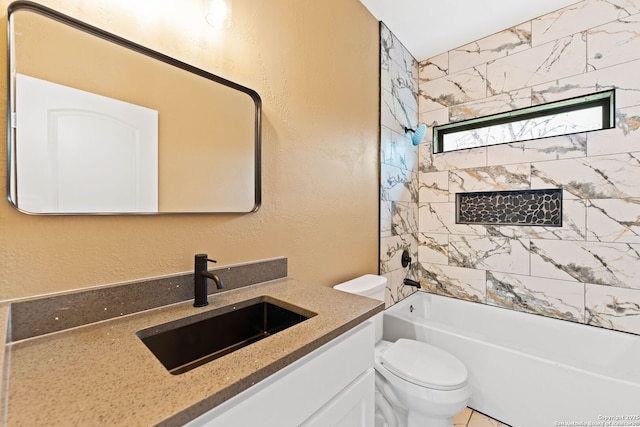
<point x="218" y="13"/>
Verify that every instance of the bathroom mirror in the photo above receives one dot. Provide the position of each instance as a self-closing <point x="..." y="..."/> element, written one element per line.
<point x="101" y="125"/>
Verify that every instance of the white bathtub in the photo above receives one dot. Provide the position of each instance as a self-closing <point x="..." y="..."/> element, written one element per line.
<point x="528" y="370"/>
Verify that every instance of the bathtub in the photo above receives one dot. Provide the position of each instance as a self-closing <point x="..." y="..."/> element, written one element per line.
<point x="528" y="370"/>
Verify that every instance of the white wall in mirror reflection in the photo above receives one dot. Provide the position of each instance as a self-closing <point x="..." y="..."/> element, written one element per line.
<point x="80" y="152"/>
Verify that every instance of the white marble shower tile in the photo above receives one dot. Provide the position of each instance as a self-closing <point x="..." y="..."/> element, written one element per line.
<point x="397" y="150"/>
<point x="425" y="151"/>
<point x="396" y="291"/>
<point x="623" y="78"/>
<point x="387" y="292"/>
<point x="397" y="57"/>
<point x="404" y="219"/>
<point x="391" y="251"/>
<point x="554" y="148"/>
<point x="440" y="218"/>
<point x="386" y="213"/>
<point x="434" y="187"/>
<point x="570" y="87"/>
<point x="392" y="114"/>
<point x="573" y="225"/>
<point x="464" y="283"/>
<point x="387" y="146"/>
<point x="463" y="86"/>
<point x="624" y="138"/>
<point x="628" y="121"/>
<point x="613" y="264"/>
<point x="434" y="68"/>
<point x="433" y="118"/>
<point x="403" y="88"/>
<point x="433" y="248"/>
<point x="386" y="45"/>
<point x="396" y="273"/>
<point x="398" y="83"/>
<point x="490" y="253"/>
<point x="461" y="159"/>
<point x="492" y="105"/>
<point x="398" y="107"/>
<point x="435" y="217"/>
<point x="578" y="17"/>
<point x="620" y="77"/>
<point x="490" y="178"/>
<point x="613" y="308"/>
<point x="425" y="157"/>
<point x="599" y="177"/>
<point x="398" y="185"/>
<point x="555" y="60"/>
<point x="613" y="220"/>
<point x="490" y="48"/>
<point x="613" y="43"/>
<point x="548" y="297"/>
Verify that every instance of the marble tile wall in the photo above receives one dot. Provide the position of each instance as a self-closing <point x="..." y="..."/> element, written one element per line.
<point x="399" y="164"/>
<point x="588" y="270"/>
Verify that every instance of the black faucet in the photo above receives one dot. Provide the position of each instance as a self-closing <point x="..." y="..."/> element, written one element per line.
<point x="200" y="275"/>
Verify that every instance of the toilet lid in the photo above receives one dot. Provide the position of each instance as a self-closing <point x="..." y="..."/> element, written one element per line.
<point x="424" y="365"/>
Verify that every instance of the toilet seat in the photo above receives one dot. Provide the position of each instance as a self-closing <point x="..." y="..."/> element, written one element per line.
<point x="424" y="365"/>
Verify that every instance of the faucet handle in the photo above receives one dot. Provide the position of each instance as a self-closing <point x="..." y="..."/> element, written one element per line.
<point x="203" y="258"/>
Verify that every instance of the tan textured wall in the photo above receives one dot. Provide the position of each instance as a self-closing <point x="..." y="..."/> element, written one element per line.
<point x="315" y="65"/>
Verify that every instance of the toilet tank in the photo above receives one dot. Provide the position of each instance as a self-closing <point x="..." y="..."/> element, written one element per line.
<point x="369" y="285"/>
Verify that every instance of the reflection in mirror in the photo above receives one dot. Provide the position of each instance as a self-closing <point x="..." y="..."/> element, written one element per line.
<point x="100" y="125"/>
<point x="581" y="114"/>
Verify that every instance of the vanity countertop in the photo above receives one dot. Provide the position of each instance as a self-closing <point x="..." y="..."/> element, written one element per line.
<point x="102" y="373"/>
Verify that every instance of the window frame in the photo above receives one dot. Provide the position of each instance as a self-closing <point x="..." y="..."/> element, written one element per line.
<point x="604" y="99"/>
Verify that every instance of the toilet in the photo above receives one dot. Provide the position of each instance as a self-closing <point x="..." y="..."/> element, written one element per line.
<point x="417" y="384"/>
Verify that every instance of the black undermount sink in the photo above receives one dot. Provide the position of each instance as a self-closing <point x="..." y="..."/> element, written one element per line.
<point x="187" y="343"/>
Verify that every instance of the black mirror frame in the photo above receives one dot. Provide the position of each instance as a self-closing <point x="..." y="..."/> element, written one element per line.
<point x="105" y="35"/>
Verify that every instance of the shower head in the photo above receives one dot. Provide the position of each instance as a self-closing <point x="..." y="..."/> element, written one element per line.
<point x="418" y="133"/>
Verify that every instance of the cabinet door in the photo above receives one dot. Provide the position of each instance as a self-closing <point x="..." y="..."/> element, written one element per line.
<point x="352" y="407"/>
<point x="298" y="391"/>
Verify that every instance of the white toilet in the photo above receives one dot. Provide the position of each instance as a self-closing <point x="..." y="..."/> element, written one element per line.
<point x="417" y="384"/>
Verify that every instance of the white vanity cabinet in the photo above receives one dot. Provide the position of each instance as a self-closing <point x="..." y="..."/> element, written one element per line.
<point x="331" y="386"/>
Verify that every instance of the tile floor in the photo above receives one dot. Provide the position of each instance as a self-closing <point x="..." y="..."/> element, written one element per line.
<point x="470" y="418"/>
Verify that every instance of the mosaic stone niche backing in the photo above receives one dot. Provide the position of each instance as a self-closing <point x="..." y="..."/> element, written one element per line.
<point x="523" y="207"/>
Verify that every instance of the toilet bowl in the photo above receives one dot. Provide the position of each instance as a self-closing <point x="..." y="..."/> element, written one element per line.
<point x="417" y="384"/>
<point x="428" y="385"/>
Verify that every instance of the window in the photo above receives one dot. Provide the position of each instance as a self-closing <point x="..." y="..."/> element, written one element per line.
<point x="581" y="114"/>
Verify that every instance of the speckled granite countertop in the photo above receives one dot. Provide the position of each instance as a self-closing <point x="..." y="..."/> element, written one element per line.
<point x="102" y="373"/>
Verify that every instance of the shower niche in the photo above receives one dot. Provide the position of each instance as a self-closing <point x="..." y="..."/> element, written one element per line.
<point x="520" y="207"/>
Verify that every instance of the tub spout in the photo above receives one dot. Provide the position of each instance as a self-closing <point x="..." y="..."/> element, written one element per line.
<point x="409" y="282"/>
